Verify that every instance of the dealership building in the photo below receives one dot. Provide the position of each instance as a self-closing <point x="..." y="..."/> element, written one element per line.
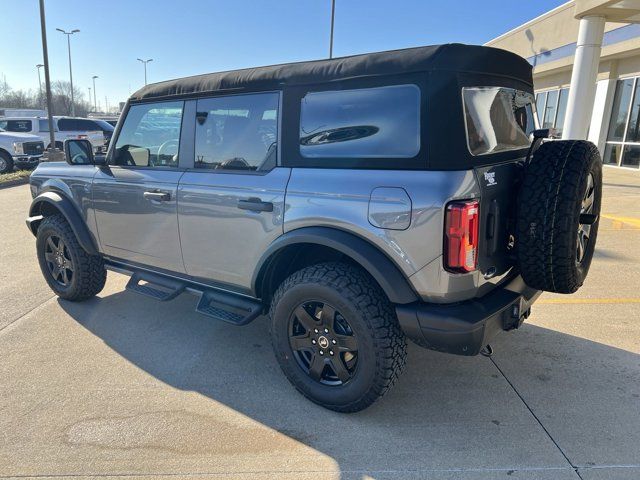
<point x="586" y="58"/>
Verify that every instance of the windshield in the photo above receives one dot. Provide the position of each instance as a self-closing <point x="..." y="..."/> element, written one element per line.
<point x="498" y="119"/>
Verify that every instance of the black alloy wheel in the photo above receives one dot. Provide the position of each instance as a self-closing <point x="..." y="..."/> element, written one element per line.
<point x="58" y="260"/>
<point x="323" y="343"/>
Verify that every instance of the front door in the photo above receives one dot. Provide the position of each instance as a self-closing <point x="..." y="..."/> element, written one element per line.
<point x="135" y="197"/>
<point x="231" y="204"/>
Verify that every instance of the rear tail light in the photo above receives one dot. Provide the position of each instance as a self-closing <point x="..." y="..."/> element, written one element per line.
<point x="461" y="236"/>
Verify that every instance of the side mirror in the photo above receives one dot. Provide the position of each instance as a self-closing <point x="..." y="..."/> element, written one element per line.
<point x="78" y="152"/>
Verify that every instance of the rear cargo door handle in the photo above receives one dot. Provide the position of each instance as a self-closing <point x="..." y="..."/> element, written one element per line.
<point x="255" y="204"/>
<point x="157" y="196"/>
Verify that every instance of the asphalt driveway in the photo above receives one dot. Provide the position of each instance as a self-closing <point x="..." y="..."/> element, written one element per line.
<point x="122" y="385"/>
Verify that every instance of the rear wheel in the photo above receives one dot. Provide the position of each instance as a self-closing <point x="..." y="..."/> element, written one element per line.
<point x="336" y="336"/>
<point x="69" y="270"/>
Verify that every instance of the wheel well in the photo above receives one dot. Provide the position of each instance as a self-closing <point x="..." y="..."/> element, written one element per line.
<point x="292" y="258"/>
<point x="4" y="152"/>
<point x="46" y="209"/>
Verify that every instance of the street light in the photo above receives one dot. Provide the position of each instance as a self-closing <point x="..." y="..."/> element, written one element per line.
<point x="145" y="67"/>
<point x="68" y="34"/>
<point x="95" y="103"/>
<point x="333" y="14"/>
<point x="39" y="66"/>
<point x="89" y="94"/>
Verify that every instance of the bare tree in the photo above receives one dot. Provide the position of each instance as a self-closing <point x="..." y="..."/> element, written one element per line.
<point x="61" y="101"/>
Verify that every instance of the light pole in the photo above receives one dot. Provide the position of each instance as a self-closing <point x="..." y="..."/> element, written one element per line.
<point x="47" y="79"/>
<point x="95" y="103"/>
<point x="145" y="67"/>
<point x="333" y="14"/>
<point x="89" y="94"/>
<point x="39" y="66"/>
<point x="68" y="34"/>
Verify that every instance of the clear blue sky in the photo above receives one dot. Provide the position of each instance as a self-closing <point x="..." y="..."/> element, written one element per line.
<point x="187" y="37"/>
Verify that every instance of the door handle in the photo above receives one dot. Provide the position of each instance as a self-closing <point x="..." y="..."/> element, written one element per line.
<point x="255" y="204"/>
<point x="157" y="196"/>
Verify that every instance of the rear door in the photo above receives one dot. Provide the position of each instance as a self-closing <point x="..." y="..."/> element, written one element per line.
<point x="135" y="197"/>
<point x="231" y="203"/>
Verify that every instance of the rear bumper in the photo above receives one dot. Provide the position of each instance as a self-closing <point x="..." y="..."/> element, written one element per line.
<point x="465" y="328"/>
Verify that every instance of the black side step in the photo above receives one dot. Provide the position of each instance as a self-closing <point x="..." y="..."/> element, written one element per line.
<point x="228" y="308"/>
<point x="158" y="287"/>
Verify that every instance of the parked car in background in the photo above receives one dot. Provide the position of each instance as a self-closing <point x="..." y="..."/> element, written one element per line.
<point x="22" y="150"/>
<point x="72" y="124"/>
<point x="40" y="126"/>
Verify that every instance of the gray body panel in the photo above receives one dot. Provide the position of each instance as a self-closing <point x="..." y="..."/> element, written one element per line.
<point x="220" y="241"/>
<point x="132" y="227"/>
<point x="74" y="182"/>
<point x="341" y="199"/>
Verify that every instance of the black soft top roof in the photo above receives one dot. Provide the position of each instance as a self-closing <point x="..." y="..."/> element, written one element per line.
<point x="453" y="58"/>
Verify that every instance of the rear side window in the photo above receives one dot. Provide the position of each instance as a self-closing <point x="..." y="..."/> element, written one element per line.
<point x="68" y="125"/>
<point x="381" y="122"/>
<point x="16" y="125"/>
<point x="150" y="135"/>
<point x="237" y="132"/>
<point x="497" y="119"/>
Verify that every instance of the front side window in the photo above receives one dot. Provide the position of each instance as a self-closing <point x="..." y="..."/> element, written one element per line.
<point x="498" y="119"/>
<point x="237" y="132"/>
<point x="150" y="135"/>
<point x="380" y="122"/>
<point x="16" y="125"/>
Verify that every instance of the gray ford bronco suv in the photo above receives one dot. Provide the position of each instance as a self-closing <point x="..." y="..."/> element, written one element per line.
<point x="355" y="202"/>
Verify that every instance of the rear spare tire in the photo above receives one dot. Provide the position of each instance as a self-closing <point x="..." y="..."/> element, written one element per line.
<point x="558" y="215"/>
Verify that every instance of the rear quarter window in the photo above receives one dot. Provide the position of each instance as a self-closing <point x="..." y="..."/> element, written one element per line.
<point x="497" y="119"/>
<point x="381" y="122"/>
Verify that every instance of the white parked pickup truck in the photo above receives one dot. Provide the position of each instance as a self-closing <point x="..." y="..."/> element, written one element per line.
<point x="40" y="126"/>
<point x="20" y="149"/>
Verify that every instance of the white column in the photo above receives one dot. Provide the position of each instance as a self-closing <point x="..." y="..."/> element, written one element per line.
<point x="583" y="78"/>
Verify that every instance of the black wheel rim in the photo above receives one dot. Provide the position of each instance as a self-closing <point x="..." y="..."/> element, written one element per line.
<point x="587" y="219"/>
<point x="59" y="263"/>
<point x="323" y="343"/>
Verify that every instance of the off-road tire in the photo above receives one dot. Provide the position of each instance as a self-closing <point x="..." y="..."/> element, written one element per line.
<point x="89" y="275"/>
<point x="381" y="342"/>
<point x="549" y="207"/>
<point x="6" y="165"/>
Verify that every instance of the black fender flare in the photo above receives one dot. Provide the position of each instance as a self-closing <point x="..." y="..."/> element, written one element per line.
<point x="377" y="264"/>
<point x="68" y="211"/>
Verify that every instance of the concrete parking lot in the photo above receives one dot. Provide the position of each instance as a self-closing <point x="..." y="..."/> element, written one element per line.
<point x="122" y="385"/>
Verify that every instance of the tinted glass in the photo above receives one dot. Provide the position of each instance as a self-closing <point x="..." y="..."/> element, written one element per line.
<point x="379" y="122"/>
<point x="631" y="156"/>
<point x="67" y="125"/>
<point x="611" y="154"/>
<point x="150" y="135"/>
<point x="562" y="110"/>
<point x="79" y="152"/>
<point x="550" y="110"/>
<point x="620" y="109"/>
<point x="102" y="125"/>
<point x="497" y="119"/>
<point x="237" y="132"/>
<point x="541" y="98"/>
<point x="634" y="122"/>
<point x="16" y="125"/>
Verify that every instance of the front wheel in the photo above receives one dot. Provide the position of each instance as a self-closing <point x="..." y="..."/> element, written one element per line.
<point x="6" y="163"/>
<point x="70" y="271"/>
<point x="336" y="336"/>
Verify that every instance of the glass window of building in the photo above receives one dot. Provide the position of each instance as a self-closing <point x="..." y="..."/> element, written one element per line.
<point x="623" y="139"/>
<point x="551" y="106"/>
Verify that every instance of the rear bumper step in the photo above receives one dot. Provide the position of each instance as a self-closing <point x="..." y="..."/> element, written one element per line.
<point x="465" y="328"/>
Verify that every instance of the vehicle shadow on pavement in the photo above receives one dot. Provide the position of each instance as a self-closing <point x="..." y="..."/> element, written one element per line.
<point x="446" y="412"/>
